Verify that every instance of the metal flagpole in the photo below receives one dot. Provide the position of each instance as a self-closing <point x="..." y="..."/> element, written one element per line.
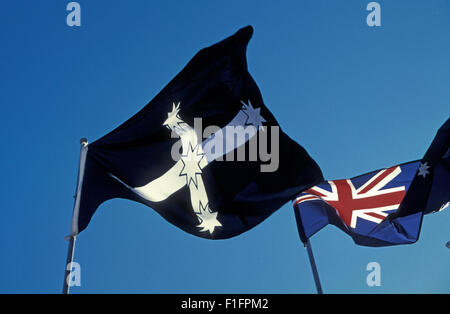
<point x="302" y="235"/>
<point x="74" y="228"/>
<point x="314" y="268"/>
<point x="69" y="260"/>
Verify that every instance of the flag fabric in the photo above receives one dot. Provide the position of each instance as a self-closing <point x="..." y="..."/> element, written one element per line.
<point x="383" y="207"/>
<point x="195" y="180"/>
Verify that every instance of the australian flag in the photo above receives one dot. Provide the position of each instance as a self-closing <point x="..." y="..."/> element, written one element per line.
<point x="383" y="207"/>
<point x="205" y="153"/>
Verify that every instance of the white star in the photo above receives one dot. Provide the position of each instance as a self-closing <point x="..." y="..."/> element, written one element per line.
<point x="253" y="115"/>
<point x="191" y="164"/>
<point x="173" y="118"/>
<point x="423" y="169"/>
<point x="208" y="219"/>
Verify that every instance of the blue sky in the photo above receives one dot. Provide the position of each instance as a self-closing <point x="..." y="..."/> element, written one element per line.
<point x="357" y="98"/>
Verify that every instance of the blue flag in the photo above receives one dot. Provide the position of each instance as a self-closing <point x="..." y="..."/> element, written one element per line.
<point x="383" y="207"/>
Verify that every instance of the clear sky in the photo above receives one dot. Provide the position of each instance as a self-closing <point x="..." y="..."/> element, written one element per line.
<point x="357" y="98"/>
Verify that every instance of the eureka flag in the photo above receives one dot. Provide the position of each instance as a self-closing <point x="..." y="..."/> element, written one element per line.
<point x="190" y="178"/>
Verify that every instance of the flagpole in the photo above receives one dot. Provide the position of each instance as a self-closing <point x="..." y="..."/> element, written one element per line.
<point x="314" y="267"/>
<point x="74" y="227"/>
<point x="70" y="251"/>
<point x="308" y="246"/>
